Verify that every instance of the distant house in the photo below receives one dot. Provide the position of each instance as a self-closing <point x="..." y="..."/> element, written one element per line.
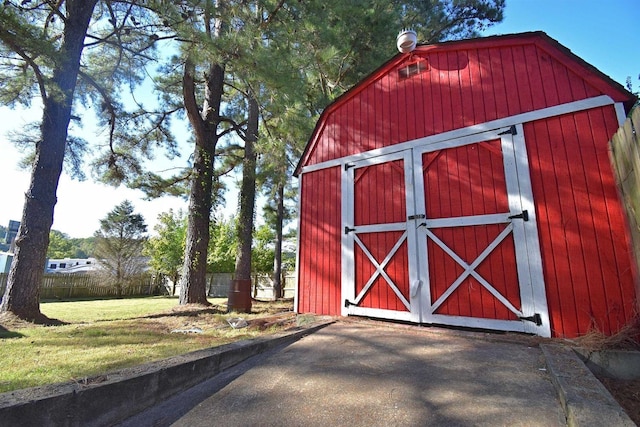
<point x="71" y="265"/>
<point x="5" y="261"/>
<point x="7" y="244"/>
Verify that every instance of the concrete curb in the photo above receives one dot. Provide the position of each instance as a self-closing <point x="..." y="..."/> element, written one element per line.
<point x="622" y="364"/>
<point x="108" y="399"/>
<point x="585" y="400"/>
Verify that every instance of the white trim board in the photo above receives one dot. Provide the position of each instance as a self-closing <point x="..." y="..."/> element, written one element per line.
<point x="544" y="113"/>
<point x="296" y="297"/>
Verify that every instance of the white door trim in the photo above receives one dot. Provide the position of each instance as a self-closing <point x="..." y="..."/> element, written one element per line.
<point x="530" y="230"/>
<point x="350" y="239"/>
<point x="420" y="307"/>
<point x="525" y="235"/>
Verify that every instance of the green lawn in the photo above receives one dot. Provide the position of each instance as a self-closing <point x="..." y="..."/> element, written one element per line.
<point x="82" y="311"/>
<point x="104" y="335"/>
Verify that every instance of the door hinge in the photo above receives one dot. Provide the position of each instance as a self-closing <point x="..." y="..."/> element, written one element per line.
<point x="536" y="318"/>
<point x="419" y="216"/>
<point x="347" y="230"/>
<point x="511" y="131"/>
<point x="347" y="303"/>
<point x="523" y="216"/>
<point x="348" y="166"/>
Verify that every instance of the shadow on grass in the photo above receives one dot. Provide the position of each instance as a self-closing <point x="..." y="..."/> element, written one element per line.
<point x="5" y="333"/>
<point x="48" y="321"/>
<point x="187" y="311"/>
<point x="10" y="320"/>
<point x="195" y="310"/>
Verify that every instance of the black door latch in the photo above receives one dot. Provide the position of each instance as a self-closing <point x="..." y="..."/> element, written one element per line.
<point x="524" y="215"/>
<point x="536" y="318"/>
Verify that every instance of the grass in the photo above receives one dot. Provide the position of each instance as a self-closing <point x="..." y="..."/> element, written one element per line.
<point x="104" y="335"/>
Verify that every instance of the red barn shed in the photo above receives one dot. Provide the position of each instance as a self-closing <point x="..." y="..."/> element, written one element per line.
<point x="468" y="183"/>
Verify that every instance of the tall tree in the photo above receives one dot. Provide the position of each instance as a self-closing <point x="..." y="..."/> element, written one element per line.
<point x="204" y="119"/>
<point x="119" y="245"/>
<point x="332" y="47"/>
<point x="242" y="280"/>
<point x="216" y="39"/>
<point x="42" y="46"/>
<point x="17" y="33"/>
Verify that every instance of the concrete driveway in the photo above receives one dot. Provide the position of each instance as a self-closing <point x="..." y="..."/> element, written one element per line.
<point x="360" y="373"/>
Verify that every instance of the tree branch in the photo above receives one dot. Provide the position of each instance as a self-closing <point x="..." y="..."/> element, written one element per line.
<point x="107" y="104"/>
<point x="235" y="127"/>
<point x="8" y="38"/>
<point x="189" y="97"/>
<point x="272" y="15"/>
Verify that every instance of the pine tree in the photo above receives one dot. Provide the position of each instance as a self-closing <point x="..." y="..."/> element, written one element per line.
<point x="119" y="244"/>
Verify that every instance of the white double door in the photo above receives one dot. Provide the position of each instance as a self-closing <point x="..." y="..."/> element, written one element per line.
<point x="445" y="233"/>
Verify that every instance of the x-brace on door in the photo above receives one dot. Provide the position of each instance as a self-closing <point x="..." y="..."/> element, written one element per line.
<point x="445" y="233"/>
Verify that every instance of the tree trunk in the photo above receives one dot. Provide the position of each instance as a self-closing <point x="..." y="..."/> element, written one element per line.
<point x="193" y="281"/>
<point x="277" y="259"/>
<point x="22" y="296"/>
<point x="242" y="284"/>
<point x="176" y="277"/>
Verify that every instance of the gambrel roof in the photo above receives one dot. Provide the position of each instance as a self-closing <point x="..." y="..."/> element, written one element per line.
<point x="453" y="85"/>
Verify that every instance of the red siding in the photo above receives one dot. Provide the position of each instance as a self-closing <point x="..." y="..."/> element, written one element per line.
<point x="319" y="274"/>
<point x="459" y="89"/>
<point x="582" y="231"/>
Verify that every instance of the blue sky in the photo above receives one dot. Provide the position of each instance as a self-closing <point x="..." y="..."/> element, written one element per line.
<point x="602" y="32"/>
<point x="599" y="31"/>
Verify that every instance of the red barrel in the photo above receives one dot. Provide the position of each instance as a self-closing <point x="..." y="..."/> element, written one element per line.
<point x="240" y="296"/>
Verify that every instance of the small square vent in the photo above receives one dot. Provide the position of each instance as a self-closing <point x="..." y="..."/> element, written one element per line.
<point x="412" y="69"/>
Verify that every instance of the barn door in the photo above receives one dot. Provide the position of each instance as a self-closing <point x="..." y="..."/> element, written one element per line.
<point x="378" y="240"/>
<point x="478" y="250"/>
<point x="445" y="233"/>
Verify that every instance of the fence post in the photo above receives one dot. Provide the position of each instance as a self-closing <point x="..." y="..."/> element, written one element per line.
<point x="69" y="278"/>
<point x="254" y="285"/>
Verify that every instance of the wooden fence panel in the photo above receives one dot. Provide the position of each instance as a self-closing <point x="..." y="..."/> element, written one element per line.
<point x="261" y="286"/>
<point x="625" y="157"/>
<point x="219" y="284"/>
<point x="65" y="286"/>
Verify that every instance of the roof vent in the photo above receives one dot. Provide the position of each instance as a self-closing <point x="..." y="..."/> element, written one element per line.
<point x="407" y="40"/>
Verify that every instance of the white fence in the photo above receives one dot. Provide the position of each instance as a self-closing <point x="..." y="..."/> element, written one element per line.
<point x="261" y="286"/>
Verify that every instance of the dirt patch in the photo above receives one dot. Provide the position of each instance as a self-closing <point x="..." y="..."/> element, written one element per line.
<point x="627" y="393"/>
<point x="11" y="321"/>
